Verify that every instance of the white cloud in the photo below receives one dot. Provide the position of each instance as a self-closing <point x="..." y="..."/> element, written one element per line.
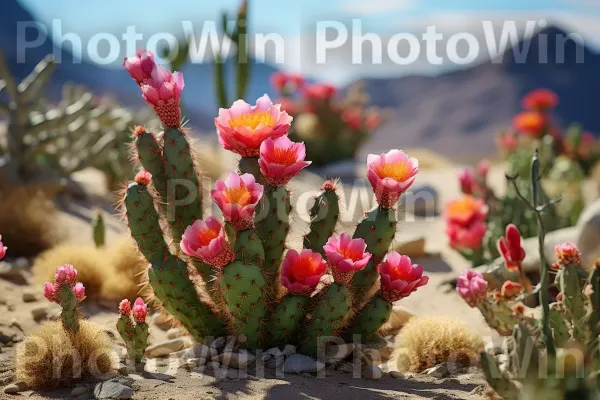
<point x="365" y="7"/>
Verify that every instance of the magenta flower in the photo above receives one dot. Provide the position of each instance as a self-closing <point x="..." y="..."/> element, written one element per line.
<point x="206" y="240"/>
<point x="124" y="307"/>
<point x="139" y="311"/>
<point x="143" y="178"/>
<point x="281" y="160"/>
<point x="390" y="175"/>
<point x="163" y="92"/>
<point x="140" y="66"/>
<point x="3" y="249"/>
<point x="79" y="291"/>
<point x="400" y="277"/>
<point x="567" y="253"/>
<point x="50" y="291"/>
<point x="67" y="275"/>
<point x="301" y="272"/>
<point x="467" y="181"/>
<point x="468" y="237"/>
<point x="346" y="256"/>
<point x="242" y="128"/>
<point x="237" y="197"/>
<point x="472" y="287"/>
<point x="510" y="247"/>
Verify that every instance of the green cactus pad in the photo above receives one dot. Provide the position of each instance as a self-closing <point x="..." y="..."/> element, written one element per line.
<point x="168" y="276"/>
<point x="150" y="155"/>
<point x="498" y="315"/>
<point x="324" y="215"/>
<point x="569" y="283"/>
<point x="560" y="331"/>
<point x="205" y="270"/>
<point x="184" y="191"/>
<point x="244" y="290"/>
<point x="329" y="315"/>
<point x="273" y="225"/>
<point x="249" y="249"/>
<point x="377" y="229"/>
<point x="140" y="340"/>
<point x="70" y="314"/>
<point x="594" y="312"/>
<point x="249" y="165"/>
<point x="371" y="318"/>
<point x="287" y="319"/>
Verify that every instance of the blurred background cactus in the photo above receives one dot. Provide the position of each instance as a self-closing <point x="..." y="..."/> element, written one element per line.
<point x="333" y="127"/>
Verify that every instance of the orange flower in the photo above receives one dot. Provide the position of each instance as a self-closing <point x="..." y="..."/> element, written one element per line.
<point x="540" y="100"/>
<point x="531" y="123"/>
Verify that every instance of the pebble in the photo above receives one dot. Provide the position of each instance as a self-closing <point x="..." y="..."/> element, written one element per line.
<point x="13" y="269"/>
<point x="272" y="352"/>
<point x="397" y="375"/>
<point x="372" y="372"/>
<point x="6" y="335"/>
<point x="39" y="313"/>
<point x="288" y="350"/>
<point x="192" y="363"/>
<point x="337" y="352"/>
<point x="15" y="387"/>
<point x="439" y="371"/>
<point x="174" y="333"/>
<point x="202" y="351"/>
<point x="29" y="297"/>
<point x="299" y="363"/>
<point x="218" y="343"/>
<point x="167" y="347"/>
<point x="346" y="367"/>
<point x="275" y="363"/>
<point x="113" y="389"/>
<point x="80" y="391"/>
<point x="236" y="360"/>
<point x="163" y="321"/>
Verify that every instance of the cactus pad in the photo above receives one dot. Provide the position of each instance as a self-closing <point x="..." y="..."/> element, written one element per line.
<point x="324" y="215"/>
<point x="371" y="318"/>
<point x="249" y="249"/>
<point x="287" y="319"/>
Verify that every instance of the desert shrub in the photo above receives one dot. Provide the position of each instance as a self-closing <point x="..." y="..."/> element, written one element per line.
<point x="29" y="222"/>
<point x="427" y="341"/>
<point x="52" y="357"/>
<point x="128" y="268"/>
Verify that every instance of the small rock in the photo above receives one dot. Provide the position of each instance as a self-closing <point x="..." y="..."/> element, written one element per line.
<point x="15" y="387"/>
<point x="275" y="363"/>
<point x="272" y="352"/>
<point x="478" y="389"/>
<point x="372" y="372"/>
<point x="439" y="371"/>
<point x="174" y="333"/>
<point x="346" y="367"/>
<point x="298" y="363"/>
<point x="112" y="389"/>
<point x="14" y="269"/>
<point x="16" y="324"/>
<point x="80" y="391"/>
<point x="201" y="351"/>
<point x="163" y="321"/>
<point x="397" y="374"/>
<point x="29" y="297"/>
<point x="39" y="313"/>
<point x="122" y="369"/>
<point x="7" y="335"/>
<point x="288" y="350"/>
<point x="236" y="360"/>
<point x="218" y="343"/>
<point x="337" y="352"/>
<point x="191" y="363"/>
<point x="212" y="353"/>
<point x="167" y="347"/>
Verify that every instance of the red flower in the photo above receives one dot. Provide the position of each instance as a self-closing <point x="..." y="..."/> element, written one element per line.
<point x="540" y="100"/>
<point x="531" y="123"/>
<point x="510" y="248"/>
<point x="319" y="91"/>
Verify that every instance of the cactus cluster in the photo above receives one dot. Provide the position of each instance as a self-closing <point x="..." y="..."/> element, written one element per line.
<point x="253" y="286"/>
<point x="68" y="293"/>
<point x="552" y="351"/>
<point x="134" y="333"/>
<point x="46" y="143"/>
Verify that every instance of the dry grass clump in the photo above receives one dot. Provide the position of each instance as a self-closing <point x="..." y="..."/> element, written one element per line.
<point x="51" y="357"/>
<point x="128" y="268"/>
<point x="92" y="266"/>
<point x="28" y="222"/>
<point x="427" y="341"/>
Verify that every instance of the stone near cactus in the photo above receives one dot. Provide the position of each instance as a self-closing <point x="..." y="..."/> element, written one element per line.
<point x="298" y="364"/>
<point x="167" y="347"/>
<point x="116" y="388"/>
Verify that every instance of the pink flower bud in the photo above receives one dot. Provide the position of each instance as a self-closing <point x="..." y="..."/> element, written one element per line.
<point x="124" y="307"/>
<point x="510" y="248"/>
<point x="346" y="256"/>
<point x="467" y="181"/>
<point x="400" y="277"/>
<point x="140" y="66"/>
<point x="139" y="311"/>
<point x="301" y="272"/>
<point x="66" y="275"/>
<point x="472" y="287"/>
<point x="390" y="175"/>
<point x="237" y="197"/>
<point x="281" y="160"/>
<point x="50" y="291"/>
<point x="483" y="168"/>
<point x="143" y="178"/>
<point x="2" y="249"/>
<point x="567" y="253"/>
<point x="79" y="291"/>
<point x="206" y="240"/>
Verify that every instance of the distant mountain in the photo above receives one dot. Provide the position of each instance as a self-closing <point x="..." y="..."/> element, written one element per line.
<point x="458" y="113"/>
<point x="198" y="96"/>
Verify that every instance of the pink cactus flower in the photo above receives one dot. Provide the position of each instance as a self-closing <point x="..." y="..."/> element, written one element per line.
<point x="507" y="142"/>
<point x="483" y="168"/>
<point x="143" y="178"/>
<point x="346" y="256"/>
<point x="163" y="92"/>
<point x="281" y="160"/>
<point x="79" y="291"/>
<point x="301" y="272"/>
<point x="50" y="291"/>
<point x="469" y="237"/>
<point x="467" y="181"/>
<point x="206" y="240"/>
<point x="140" y="66"/>
<point x="66" y="275"/>
<point x="124" y="307"/>
<point x="472" y="287"/>
<point x="139" y="311"/>
<point x="510" y="248"/>
<point x="400" y="277"/>
<point x="390" y="175"/>
<point x="567" y="253"/>
<point x="278" y="80"/>
<point x="237" y="197"/>
<point x="319" y="91"/>
<point x="511" y="290"/>
<point x="242" y="128"/>
<point x="3" y="249"/>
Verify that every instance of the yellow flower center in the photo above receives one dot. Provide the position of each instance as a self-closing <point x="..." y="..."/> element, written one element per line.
<point x="283" y="156"/>
<point x="253" y="120"/>
<point x="399" y="171"/>
<point x="205" y="236"/>
<point x="239" y="195"/>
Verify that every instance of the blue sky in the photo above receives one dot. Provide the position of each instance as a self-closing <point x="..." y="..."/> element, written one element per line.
<point x="295" y="19"/>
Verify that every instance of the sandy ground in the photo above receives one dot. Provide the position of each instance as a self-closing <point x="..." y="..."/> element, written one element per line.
<point x="431" y="299"/>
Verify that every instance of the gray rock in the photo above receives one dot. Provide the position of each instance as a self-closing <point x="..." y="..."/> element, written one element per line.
<point x="167" y="347"/>
<point x="192" y="363"/>
<point x="289" y="349"/>
<point x="337" y="352"/>
<point x="397" y="374"/>
<point x="346" y="367"/>
<point x="39" y="313"/>
<point x="201" y="351"/>
<point x="275" y="363"/>
<point x="80" y="391"/>
<point x="163" y="321"/>
<point x="272" y="352"/>
<point x="29" y="297"/>
<point x="218" y="343"/>
<point x="298" y="363"/>
<point x="13" y="269"/>
<point x="439" y="371"/>
<point x="372" y="372"/>
<point x="174" y="333"/>
<point x="15" y="387"/>
<point x="236" y="360"/>
<point x="113" y="389"/>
